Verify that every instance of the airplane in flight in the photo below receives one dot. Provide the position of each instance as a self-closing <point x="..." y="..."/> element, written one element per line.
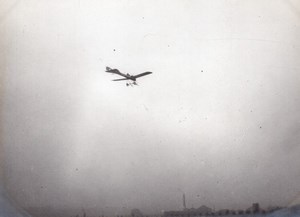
<point x="126" y="76"/>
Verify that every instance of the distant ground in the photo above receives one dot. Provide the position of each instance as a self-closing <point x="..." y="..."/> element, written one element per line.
<point x="7" y="209"/>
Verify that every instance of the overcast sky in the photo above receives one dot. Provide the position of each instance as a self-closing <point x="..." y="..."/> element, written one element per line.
<point x="218" y="120"/>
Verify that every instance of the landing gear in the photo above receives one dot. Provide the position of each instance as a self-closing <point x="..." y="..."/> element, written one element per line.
<point x="131" y="84"/>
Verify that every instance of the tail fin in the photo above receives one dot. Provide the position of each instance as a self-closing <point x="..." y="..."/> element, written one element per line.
<point x="107" y="68"/>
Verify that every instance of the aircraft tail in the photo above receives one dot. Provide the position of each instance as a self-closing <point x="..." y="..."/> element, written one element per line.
<point x="107" y="68"/>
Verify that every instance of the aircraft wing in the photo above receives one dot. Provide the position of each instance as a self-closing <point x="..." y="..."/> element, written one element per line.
<point x="142" y="74"/>
<point x="121" y="79"/>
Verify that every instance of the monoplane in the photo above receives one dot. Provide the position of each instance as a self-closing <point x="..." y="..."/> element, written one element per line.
<point x="126" y="76"/>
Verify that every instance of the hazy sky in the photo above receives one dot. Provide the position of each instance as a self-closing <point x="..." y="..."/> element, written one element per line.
<point x="219" y="118"/>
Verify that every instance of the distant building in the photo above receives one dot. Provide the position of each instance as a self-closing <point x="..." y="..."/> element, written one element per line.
<point x="240" y="212"/>
<point x="136" y="213"/>
<point x="206" y="211"/>
<point x="183" y="201"/>
<point x="202" y="210"/>
<point x="255" y="208"/>
<point x="223" y="212"/>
